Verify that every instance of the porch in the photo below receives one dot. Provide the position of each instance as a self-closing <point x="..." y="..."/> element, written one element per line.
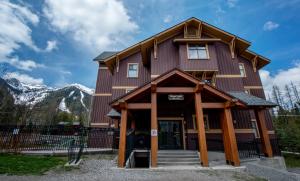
<point x="165" y="107"/>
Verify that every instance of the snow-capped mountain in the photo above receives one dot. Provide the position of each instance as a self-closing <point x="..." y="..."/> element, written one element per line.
<point x="44" y="101"/>
<point x="25" y="93"/>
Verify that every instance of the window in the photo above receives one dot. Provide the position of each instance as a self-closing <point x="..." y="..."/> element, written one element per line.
<point x="247" y="91"/>
<point x="205" y="119"/>
<point x="255" y="128"/>
<point x="132" y="70"/>
<point x="128" y="90"/>
<point x="197" y="52"/>
<point x="242" y="69"/>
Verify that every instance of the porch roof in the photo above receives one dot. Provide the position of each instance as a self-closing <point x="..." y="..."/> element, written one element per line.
<point x="251" y="100"/>
<point x="239" y="98"/>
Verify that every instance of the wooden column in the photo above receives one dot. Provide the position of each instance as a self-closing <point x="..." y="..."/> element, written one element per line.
<point x="230" y="145"/>
<point x="264" y="136"/>
<point x="122" y="143"/>
<point x="154" y="131"/>
<point x="201" y="130"/>
<point x="225" y="139"/>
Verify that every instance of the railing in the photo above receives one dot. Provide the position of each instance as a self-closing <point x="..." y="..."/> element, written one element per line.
<point x="29" y="138"/>
<point x="247" y="148"/>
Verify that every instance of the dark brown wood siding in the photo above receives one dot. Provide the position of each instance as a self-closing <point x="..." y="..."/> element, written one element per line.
<point x="241" y="119"/>
<point x="258" y="93"/>
<point x="167" y="57"/>
<point x="120" y="78"/>
<point x="230" y="84"/>
<point x="100" y="104"/>
<point x="104" y="81"/>
<point x="100" y="109"/>
<point x="252" y="78"/>
<point x="117" y="93"/>
<point x="226" y="64"/>
<point x="186" y="64"/>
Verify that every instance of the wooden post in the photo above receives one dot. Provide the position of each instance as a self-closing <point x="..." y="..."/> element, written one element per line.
<point x="230" y="145"/>
<point x="201" y="130"/>
<point x="122" y="143"/>
<point x="264" y="136"/>
<point x="225" y="139"/>
<point x="154" y="131"/>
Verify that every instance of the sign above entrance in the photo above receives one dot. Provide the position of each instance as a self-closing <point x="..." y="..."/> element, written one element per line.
<point x="176" y="97"/>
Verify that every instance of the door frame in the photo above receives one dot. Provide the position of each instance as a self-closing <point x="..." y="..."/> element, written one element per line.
<point x="182" y="126"/>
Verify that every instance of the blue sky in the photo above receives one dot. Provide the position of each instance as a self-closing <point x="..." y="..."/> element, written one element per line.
<point x="53" y="42"/>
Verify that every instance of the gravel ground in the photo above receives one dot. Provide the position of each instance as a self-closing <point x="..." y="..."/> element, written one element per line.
<point x="95" y="168"/>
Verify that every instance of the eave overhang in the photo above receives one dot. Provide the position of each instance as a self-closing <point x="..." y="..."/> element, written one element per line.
<point x="241" y="45"/>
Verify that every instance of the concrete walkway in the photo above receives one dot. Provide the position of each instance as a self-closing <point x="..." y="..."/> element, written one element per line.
<point x="98" y="169"/>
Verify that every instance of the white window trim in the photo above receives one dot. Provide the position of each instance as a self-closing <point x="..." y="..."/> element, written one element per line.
<point x="207" y="53"/>
<point x="205" y="116"/>
<point x="243" y="69"/>
<point x="136" y="69"/>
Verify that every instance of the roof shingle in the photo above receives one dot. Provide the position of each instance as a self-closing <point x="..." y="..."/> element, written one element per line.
<point x="251" y="100"/>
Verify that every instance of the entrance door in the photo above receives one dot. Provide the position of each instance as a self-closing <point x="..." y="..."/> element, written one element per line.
<point x="170" y="135"/>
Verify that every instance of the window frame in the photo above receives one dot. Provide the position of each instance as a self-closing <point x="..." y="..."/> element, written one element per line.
<point x="203" y="45"/>
<point x="248" y="91"/>
<point x="245" y="74"/>
<point x="137" y="70"/>
<point x="255" y="130"/>
<point x="205" y="119"/>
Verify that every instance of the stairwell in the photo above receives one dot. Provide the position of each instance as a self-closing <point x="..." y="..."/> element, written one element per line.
<point x="177" y="158"/>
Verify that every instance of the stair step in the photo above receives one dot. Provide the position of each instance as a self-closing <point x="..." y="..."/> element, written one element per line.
<point x="179" y="159"/>
<point x="177" y="163"/>
<point x="177" y="155"/>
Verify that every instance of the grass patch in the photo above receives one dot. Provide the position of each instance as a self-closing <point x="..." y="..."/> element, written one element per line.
<point x="28" y="165"/>
<point x="291" y="160"/>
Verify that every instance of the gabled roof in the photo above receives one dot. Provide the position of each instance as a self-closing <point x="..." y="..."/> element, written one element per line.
<point x="104" y="55"/>
<point x="240" y="44"/>
<point x="175" y="71"/>
<point x="240" y="98"/>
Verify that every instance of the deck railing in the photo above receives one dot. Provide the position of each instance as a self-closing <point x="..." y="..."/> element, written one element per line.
<point x="28" y="138"/>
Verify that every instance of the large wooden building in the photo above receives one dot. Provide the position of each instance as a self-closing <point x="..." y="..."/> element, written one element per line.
<point x="181" y="87"/>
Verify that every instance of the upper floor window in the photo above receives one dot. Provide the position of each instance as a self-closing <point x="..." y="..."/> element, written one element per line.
<point x="242" y="70"/>
<point x="132" y="70"/>
<point x="198" y="52"/>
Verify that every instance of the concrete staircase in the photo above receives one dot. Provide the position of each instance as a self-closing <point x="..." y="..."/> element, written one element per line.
<point x="177" y="158"/>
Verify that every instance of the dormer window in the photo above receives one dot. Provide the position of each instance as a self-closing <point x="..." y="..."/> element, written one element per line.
<point x="197" y="52"/>
<point x="133" y="70"/>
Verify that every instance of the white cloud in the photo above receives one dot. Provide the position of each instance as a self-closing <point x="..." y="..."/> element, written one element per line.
<point x="231" y="3"/>
<point x="15" y="31"/>
<point x="97" y="24"/>
<point x="270" y="25"/>
<point x="14" y="28"/>
<point x="51" y="45"/>
<point x="168" y="19"/>
<point x="281" y="78"/>
<point x="24" y="78"/>
<point x="23" y="64"/>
